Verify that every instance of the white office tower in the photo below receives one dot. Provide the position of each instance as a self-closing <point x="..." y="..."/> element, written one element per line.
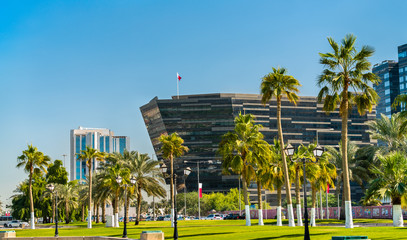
<point x="101" y="139"/>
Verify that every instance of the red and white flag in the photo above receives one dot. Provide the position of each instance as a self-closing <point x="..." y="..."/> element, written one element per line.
<point x="327" y="189"/>
<point x="200" y="190"/>
<point x="178" y="77"/>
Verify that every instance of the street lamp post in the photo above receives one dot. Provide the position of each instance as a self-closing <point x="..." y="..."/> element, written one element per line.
<point x="318" y="150"/>
<point x="119" y="181"/>
<point x="187" y="171"/>
<point x="51" y="187"/>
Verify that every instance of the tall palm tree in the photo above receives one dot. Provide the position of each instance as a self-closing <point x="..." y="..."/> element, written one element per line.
<point x="278" y="84"/>
<point x="68" y="196"/>
<point x="391" y="182"/>
<point x="33" y="161"/>
<point x="172" y="146"/>
<point x="296" y="168"/>
<point x="242" y="150"/>
<point x="89" y="155"/>
<point x="143" y="168"/>
<point x="347" y="69"/>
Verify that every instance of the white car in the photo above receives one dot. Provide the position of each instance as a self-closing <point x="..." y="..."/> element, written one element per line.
<point x="167" y="218"/>
<point x="17" y="224"/>
<point x="214" y="217"/>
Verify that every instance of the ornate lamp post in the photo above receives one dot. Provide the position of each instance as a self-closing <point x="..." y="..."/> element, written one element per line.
<point x="187" y="171"/>
<point x="51" y="187"/>
<point x="317" y="152"/>
<point x="119" y="181"/>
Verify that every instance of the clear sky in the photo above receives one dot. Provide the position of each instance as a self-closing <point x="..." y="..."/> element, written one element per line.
<point x="65" y="64"/>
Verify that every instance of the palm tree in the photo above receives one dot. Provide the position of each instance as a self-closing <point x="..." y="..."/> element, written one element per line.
<point x="89" y="155"/>
<point x="242" y="150"/>
<point x="273" y="177"/>
<point x="346" y="69"/>
<point x="401" y="100"/>
<point x="143" y="168"/>
<point x="33" y="161"/>
<point x="357" y="170"/>
<point x="297" y="169"/>
<point x="391" y="182"/>
<point x="112" y="168"/>
<point x="172" y="146"/>
<point x="278" y="84"/>
<point x="68" y="197"/>
<point x="389" y="131"/>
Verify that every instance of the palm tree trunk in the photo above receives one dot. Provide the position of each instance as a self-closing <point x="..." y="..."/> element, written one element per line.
<point x="279" y="221"/>
<point x="290" y="212"/>
<point x="172" y="190"/>
<point x="314" y="198"/>
<point x="138" y="206"/>
<point x="94" y="210"/>
<point x="298" y="196"/>
<point x="246" y="201"/>
<point x="103" y="211"/>
<point x="345" y="168"/>
<point x="30" y="192"/>
<point x="260" y="213"/>
<point x="97" y="212"/>
<point x="90" y="195"/>
<point x="397" y="212"/>
<point x="83" y="213"/>
<point x="66" y="212"/>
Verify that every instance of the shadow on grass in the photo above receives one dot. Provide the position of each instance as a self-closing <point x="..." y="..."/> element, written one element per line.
<point x="201" y="234"/>
<point x="288" y="236"/>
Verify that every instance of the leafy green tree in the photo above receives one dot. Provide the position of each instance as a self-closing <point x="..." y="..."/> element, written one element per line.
<point x="347" y="69"/>
<point x="89" y="155"/>
<point x="33" y="161"/>
<point x="172" y="146"/>
<point x="56" y="173"/>
<point x="391" y="182"/>
<point x="278" y="84"/>
<point x="241" y="150"/>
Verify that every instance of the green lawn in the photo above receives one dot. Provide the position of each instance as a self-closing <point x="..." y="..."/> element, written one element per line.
<point x="227" y="229"/>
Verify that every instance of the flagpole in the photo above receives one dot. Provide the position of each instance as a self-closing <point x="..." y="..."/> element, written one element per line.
<point x="177" y="87"/>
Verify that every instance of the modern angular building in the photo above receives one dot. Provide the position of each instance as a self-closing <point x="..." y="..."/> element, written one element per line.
<point x="101" y="139"/>
<point x="389" y="87"/>
<point x="202" y="119"/>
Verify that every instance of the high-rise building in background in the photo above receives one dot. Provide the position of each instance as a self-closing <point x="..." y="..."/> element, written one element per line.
<point x="402" y="55"/>
<point x="201" y="120"/>
<point x="388" y="88"/>
<point x="394" y="82"/>
<point x="101" y="139"/>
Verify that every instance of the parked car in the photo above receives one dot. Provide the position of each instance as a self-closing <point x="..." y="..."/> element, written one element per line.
<point x="214" y="217"/>
<point x="232" y="216"/>
<point x="149" y="218"/>
<point x="167" y="218"/>
<point x="17" y="223"/>
<point x="160" y="218"/>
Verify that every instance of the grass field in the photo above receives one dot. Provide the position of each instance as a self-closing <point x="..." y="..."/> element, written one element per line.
<point x="226" y="229"/>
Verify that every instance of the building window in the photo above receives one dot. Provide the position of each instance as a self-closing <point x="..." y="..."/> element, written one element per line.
<point x="388" y="109"/>
<point x="405" y="69"/>
<point x="387" y="100"/>
<point x="387" y="92"/>
<point x="402" y="86"/>
<point x="402" y="54"/>
<point x="386" y="76"/>
<point x="401" y="70"/>
<point x="401" y="79"/>
<point x="386" y="83"/>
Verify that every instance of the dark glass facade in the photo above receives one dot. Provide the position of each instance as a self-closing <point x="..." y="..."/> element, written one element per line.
<point x="402" y="70"/>
<point x="388" y="88"/>
<point x="201" y="120"/>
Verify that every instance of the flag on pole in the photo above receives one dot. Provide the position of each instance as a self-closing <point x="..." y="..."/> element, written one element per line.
<point x="200" y="190"/>
<point x="327" y="189"/>
<point x="178" y="77"/>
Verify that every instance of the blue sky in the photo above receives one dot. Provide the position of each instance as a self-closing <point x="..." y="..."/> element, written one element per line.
<point x="65" y="64"/>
